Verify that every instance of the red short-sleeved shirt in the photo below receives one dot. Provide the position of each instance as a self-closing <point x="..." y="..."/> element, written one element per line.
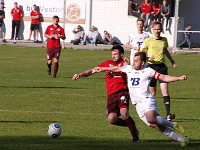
<point x="17" y="13"/>
<point x="146" y="8"/>
<point x="156" y="8"/>
<point x="115" y="81"/>
<point x="52" y="30"/>
<point x="35" y="13"/>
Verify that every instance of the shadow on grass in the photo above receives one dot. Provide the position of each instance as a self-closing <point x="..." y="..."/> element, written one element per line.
<point x="85" y="143"/>
<point x="42" y="87"/>
<point x="29" y="122"/>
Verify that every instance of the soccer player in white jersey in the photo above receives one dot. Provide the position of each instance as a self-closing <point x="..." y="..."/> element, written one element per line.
<point x="139" y="78"/>
<point x="136" y="39"/>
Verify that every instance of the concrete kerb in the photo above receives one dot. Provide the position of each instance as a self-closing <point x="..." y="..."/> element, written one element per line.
<point x="26" y="43"/>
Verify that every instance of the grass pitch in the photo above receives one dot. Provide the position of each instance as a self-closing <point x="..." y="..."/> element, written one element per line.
<point x="30" y="100"/>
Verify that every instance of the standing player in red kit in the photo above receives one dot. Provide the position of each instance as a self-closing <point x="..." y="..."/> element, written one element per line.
<point x="53" y="34"/>
<point x="16" y="13"/>
<point x="35" y="20"/>
<point x="117" y="92"/>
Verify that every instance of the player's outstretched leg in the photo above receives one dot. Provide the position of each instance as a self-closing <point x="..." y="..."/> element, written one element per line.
<point x="164" y="122"/>
<point x="176" y="137"/>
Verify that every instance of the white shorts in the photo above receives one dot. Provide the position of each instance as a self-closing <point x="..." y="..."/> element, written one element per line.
<point x="147" y="105"/>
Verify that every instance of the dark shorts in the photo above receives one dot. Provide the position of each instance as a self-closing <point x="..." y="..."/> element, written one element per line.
<point x="116" y="101"/>
<point x="160" y="68"/>
<point x="53" y="53"/>
<point x="34" y="27"/>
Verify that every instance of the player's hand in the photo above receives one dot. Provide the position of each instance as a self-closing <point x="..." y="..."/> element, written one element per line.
<point x="75" y="77"/>
<point x="174" y="66"/>
<point x="151" y="58"/>
<point x="98" y="69"/>
<point x="183" y="77"/>
<point x="127" y="60"/>
<point x="56" y="36"/>
<point x="51" y="36"/>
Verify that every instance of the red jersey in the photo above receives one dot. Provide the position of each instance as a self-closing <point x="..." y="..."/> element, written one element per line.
<point x="115" y="81"/>
<point x="53" y="30"/>
<point x="16" y="13"/>
<point x="146" y="8"/>
<point x="156" y="8"/>
<point x="34" y="14"/>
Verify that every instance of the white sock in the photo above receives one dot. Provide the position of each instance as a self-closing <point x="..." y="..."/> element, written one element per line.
<point x="164" y="122"/>
<point x="173" y="135"/>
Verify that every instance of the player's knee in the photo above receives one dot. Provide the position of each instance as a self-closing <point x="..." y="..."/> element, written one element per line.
<point x="124" y="115"/>
<point x="55" y="60"/>
<point x="49" y="61"/>
<point x="112" y="118"/>
<point x="151" y="120"/>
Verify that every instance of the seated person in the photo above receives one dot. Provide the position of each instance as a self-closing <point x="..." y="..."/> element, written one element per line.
<point x="78" y="35"/>
<point x="146" y="8"/>
<point x="133" y="8"/>
<point x="165" y="12"/>
<point x="155" y="12"/>
<point x="91" y="37"/>
<point x="109" y="40"/>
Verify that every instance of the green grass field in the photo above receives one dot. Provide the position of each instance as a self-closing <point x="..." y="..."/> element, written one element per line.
<point x="30" y="100"/>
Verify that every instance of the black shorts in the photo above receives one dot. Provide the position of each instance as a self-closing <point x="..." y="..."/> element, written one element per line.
<point x="34" y="27"/>
<point x="116" y="101"/>
<point x="160" y="68"/>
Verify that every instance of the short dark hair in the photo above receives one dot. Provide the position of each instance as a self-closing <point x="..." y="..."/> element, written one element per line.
<point x="55" y="17"/>
<point x="119" y="48"/>
<point x="157" y="23"/>
<point x="140" y="19"/>
<point x="143" y="56"/>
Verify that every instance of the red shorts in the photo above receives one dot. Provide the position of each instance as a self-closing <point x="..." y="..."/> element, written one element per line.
<point x="53" y="53"/>
<point x="116" y="101"/>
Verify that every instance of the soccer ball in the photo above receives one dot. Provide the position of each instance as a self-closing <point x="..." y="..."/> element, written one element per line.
<point x="54" y="130"/>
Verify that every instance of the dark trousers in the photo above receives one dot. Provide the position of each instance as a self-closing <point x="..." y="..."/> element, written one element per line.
<point x="15" y="26"/>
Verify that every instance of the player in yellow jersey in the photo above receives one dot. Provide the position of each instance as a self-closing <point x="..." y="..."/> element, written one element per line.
<point x="156" y="49"/>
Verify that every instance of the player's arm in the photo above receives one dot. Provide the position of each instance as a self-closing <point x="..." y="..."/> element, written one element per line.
<point x="62" y="35"/>
<point x="113" y="68"/>
<point x="131" y="47"/>
<point x="169" y="78"/>
<point x="85" y="73"/>
<point x="48" y="36"/>
<point x="168" y="55"/>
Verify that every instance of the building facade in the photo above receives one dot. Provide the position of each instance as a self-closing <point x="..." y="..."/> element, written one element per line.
<point x="110" y="15"/>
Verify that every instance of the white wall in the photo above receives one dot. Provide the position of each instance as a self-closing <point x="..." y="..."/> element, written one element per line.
<point x="112" y="15"/>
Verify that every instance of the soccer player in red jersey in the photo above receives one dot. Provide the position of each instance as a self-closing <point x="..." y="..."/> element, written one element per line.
<point x="35" y="20"/>
<point x="53" y="34"/>
<point x="117" y="92"/>
<point x="16" y="13"/>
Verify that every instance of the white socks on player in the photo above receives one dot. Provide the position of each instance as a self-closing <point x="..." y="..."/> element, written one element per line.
<point x="164" y="122"/>
<point x="173" y="135"/>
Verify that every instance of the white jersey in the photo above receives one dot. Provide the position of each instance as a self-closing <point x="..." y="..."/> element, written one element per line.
<point x="136" y="40"/>
<point x="138" y="83"/>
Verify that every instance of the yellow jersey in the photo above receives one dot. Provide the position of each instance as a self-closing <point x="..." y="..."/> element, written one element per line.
<point x="155" y="47"/>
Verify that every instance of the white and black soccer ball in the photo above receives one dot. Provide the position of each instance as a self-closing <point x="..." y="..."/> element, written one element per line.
<point x="54" y="130"/>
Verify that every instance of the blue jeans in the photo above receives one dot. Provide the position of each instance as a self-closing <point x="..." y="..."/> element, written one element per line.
<point x="87" y="39"/>
<point x="186" y="40"/>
